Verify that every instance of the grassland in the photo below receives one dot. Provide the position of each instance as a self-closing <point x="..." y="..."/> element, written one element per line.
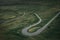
<point x="13" y="20"/>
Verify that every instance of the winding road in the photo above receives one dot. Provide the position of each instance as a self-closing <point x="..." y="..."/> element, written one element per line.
<point x="25" y="30"/>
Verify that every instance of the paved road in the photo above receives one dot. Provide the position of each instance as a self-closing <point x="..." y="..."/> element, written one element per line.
<point x="25" y="30"/>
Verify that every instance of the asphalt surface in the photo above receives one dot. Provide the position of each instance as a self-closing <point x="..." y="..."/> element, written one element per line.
<point x="25" y="30"/>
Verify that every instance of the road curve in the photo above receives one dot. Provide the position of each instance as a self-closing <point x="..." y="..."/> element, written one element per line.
<point x="25" y="30"/>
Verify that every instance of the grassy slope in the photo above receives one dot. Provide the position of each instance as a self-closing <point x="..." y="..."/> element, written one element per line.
<point x="8" y="32"/>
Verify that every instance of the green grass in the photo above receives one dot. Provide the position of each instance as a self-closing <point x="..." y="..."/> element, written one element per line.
<point x="12" y="30"/>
